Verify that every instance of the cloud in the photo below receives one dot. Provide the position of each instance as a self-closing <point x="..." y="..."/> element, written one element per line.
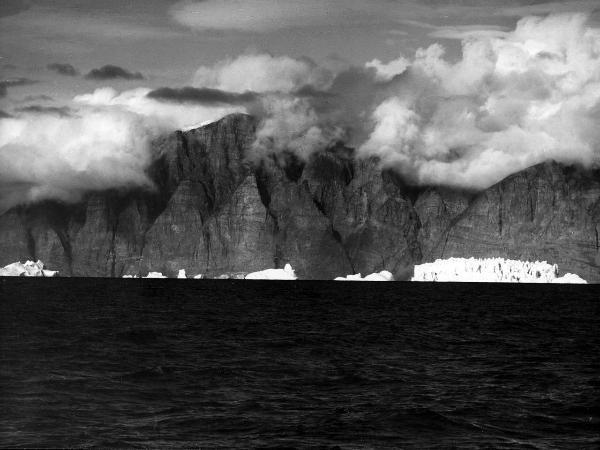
<point x="13" y="82"/>
<point x="301" y="107"/>
<point x="63" y="69"/>
<point x="101" y="142"/>
<point x="42" y="22"/>
<point x="510" y="102"/>
<point x="387" y="71"/>
<point x="204" y="96"/>
<point x="4" y="115"/>
<point x="110" y="72"/>
<point x="267" y="15"/>
<point x="290" y="124"/>
<point x="61" y="111"/>
<point x="263" y="16"/>
<point x="262" y="73"/>
<point x="37" y="98"/>
<point x="565" y="6"/>
<point x="50" y="156"/>
<point x="468" y="31"/>
<point x="163" y="115"/>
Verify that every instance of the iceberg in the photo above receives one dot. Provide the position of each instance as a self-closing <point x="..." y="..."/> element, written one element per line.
<point x="569" y="278"/>
<point x="384" y="275"/>
<point x="181" y="274"/>
<point x="155" y="275"/>
<point x="491" y="270"/>
<point x="28" y="269"/>
<point x="287" y="273"/>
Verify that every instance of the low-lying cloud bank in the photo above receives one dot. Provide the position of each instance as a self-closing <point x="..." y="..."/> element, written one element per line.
<point x="52" y="156"/>
<point x="102" y="141"/>
<point x="514" y="99"/>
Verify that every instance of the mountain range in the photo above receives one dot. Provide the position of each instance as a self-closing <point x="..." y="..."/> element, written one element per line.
<point x="218" y="209"/>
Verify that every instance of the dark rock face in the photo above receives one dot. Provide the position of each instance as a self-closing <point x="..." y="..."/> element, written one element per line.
<point x="215" y="210"/>
<point x="547" y="212"/>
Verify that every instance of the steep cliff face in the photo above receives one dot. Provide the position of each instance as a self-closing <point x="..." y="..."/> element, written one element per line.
<point x="547" y="212"/>
<point x="216" y="209"/>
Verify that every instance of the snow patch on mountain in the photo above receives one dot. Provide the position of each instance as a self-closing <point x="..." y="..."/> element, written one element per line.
<point x="492" y="270"/>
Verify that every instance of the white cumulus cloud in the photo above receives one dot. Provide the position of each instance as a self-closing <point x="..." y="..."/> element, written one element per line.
<point x="261" y="73"/>
<point x="510" y="102"/>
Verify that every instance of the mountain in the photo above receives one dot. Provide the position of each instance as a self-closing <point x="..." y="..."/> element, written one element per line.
<point x="218" y="209"/>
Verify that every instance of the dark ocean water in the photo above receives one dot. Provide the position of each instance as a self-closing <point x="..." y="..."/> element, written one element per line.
<point x="222" y="364"/>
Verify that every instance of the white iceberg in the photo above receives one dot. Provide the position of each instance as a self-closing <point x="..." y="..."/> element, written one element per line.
<point x="287" y="273"/>
<point x="569" y="278"/>
<point x="155" y="275"/>
<point x="384" y="275"/>
<point x="28" y="269"/>
<point x="491" y="270"/>
<point x="199" y="276"/>
<point x="181" y="274"/>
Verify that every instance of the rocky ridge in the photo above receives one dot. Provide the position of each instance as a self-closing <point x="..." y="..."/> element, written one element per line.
<point x="218" y="209"/>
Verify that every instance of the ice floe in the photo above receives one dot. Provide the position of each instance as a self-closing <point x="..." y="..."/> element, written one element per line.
<point x="492" y="270"/>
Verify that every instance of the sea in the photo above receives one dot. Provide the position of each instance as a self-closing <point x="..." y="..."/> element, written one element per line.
<point x="227" y="364"/>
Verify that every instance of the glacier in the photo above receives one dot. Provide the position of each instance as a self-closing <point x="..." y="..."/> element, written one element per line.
<point x="492" y="270"/>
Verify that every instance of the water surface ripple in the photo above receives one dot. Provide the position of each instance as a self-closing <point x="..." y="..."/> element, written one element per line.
<point x="222" y="364"/>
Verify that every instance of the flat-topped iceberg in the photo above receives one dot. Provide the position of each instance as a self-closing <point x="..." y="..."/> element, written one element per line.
<point x="384" y="275"/>
<point x="155" y="275"/>
<point x="491" y="270"/>
<point x="28" y="269"/>
<point x="287" y="273"/>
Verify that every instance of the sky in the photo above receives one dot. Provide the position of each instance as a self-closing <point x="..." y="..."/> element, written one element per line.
<point x="388" y="76"/>
<point x="167" y="40"/>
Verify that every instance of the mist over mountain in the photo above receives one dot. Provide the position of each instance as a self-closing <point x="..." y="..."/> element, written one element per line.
<point x="513" y="99"/>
